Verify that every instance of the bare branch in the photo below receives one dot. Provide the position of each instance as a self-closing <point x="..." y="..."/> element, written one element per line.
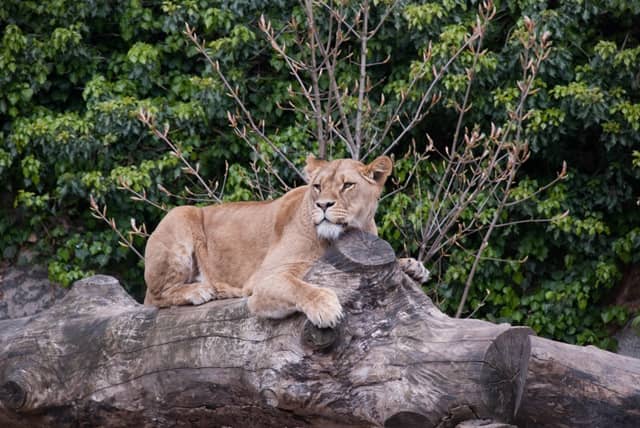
<point x="311" y="23"/>
<point x="364" y="38"/>
<point x="561" y="176"/>
<point x="233" y="93"/>
<point x="483" y="245"/>
<point x="124" y="241"/>
<point x="427" y="96"/>
<point x="146" y="118"/>
<point x="139" y="196"/>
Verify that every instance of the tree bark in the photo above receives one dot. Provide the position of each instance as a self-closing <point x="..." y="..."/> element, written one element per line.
<point x="576" y="386"/>
<point x="25" y="291"/>
<point x="99" y="358"/>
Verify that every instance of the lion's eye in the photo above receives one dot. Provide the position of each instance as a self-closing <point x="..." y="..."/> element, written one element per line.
<point x="316" y="187"/>
<point x="347" y="186"/>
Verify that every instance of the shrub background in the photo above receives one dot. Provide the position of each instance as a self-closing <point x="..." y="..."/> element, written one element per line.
<point x="73" y="75"/>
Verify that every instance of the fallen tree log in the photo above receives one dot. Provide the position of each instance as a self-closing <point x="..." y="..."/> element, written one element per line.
<point x="578" y="386"/>
<point x="26" y="291"/>
<point x="99" y="358"/>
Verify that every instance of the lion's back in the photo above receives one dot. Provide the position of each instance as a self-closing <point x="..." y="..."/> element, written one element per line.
<point x="240" y="234"/>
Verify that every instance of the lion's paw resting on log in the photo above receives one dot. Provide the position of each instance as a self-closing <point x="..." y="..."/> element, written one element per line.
<point x="264" y="249"/>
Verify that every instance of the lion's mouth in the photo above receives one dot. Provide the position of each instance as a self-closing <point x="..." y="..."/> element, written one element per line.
<point x="325" y="218"/>
<point x="329" y="230"/>
<point x="339" y="223"/>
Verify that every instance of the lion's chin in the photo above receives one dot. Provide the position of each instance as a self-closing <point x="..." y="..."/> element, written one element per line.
<point x="329" y="231"/>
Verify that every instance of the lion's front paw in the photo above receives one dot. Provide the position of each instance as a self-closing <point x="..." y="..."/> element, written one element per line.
<point x="414" y="269"/>
<point x="323" y="308"/>
<point x="198" y="296"/>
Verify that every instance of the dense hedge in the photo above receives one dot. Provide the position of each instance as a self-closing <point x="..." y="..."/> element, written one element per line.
<point x="73" y="75"/>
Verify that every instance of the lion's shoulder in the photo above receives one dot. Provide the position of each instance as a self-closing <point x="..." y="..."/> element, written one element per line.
<point x="290" y="208"/>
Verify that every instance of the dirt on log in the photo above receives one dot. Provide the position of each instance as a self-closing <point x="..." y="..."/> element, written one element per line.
<point x="98" y="358"/>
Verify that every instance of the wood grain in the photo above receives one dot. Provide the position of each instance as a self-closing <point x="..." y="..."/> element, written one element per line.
<point x="98" y="358"/>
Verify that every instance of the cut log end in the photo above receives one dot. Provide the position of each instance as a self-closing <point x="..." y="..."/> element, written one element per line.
<point x="361" y="250"/>
<point x="507" y="361"/>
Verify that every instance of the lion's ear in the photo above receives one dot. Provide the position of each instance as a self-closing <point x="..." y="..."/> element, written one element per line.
<point x="313" y="165"/>
<point x="379" y="169"/>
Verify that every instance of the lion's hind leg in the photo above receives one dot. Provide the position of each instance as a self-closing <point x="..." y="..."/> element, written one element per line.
<point x="183" y="284"/>
<point x="175" y="263"/>
<point x="197" y="293"/>
<point x="173" y="277"/>
<point x="192" y="293"/>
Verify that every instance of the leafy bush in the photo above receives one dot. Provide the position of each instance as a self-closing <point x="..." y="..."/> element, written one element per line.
<point x="74" y="75"/>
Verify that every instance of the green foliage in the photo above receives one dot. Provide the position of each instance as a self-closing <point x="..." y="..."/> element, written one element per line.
<point x="556" y="277"/>
<point x="73" y="76"/>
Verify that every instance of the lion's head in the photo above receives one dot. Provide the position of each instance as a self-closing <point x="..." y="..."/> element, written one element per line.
<point x="344" y="193"/>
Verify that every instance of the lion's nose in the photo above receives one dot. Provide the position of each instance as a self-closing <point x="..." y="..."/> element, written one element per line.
<point x="325" y="205"/>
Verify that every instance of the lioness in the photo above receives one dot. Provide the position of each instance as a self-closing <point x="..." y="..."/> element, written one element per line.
<point x="263" y="249"/>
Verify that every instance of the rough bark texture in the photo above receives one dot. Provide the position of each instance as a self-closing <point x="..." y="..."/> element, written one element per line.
<point x="629" y="339"/>
<point x="99" y="358"/>
<point x="26" y="291"/>
<point x="575" y="386"/>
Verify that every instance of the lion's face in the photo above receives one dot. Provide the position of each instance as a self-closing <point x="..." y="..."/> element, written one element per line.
<point x="344" y="193"/>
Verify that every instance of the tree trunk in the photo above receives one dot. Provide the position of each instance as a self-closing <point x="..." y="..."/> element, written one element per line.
<point x="99" y="358"/>
<point x="25" y="291"/>
<point x="576" y="386"/>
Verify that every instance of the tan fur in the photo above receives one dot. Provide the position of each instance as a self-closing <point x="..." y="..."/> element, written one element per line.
<point x="263" y="249"/>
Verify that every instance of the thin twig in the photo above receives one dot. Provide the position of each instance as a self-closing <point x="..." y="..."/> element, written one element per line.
<point x="102" y="215"/>
<point x="364" y="38"/>
<point x="200" y="47"/>
<point x="483" y="245"/>
<point x="146" y="118"/>
<point x="311" y="23"/>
